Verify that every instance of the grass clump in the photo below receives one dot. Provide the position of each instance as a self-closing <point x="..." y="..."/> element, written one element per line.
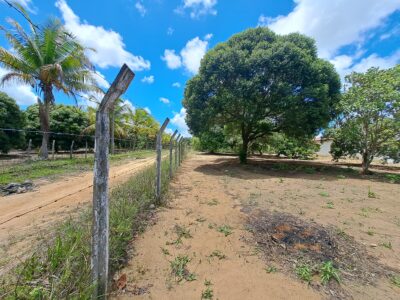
<point x="328" y="272"/>
<point x="61" y="269"/>
<point x="304" y="272"/>
<point x="208" y="293"/>
<point x="395" y="280"/>
<point x="271" y="269"/>
<point x="225" y="229"/>
<point x="179" y="269"/>
<point x="218" y="254"/>
<point x="371" y="194"/>
<point x="324" y="194"/>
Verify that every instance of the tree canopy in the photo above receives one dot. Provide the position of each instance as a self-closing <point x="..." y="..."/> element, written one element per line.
<point x="10" y="117"/>
<point x="259" y="82"/>
<point x="370" y="121"/>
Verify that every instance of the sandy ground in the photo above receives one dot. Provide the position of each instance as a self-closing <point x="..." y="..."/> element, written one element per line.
<point x="26" y="218"/>
<point x="211" y="191"/>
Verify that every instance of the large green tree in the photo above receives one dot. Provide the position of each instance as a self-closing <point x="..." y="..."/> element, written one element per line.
<point x="10" y="117"/>
<point x="259" y="82"/>
<point x="370" y="121"/>
<point x="67" y="120"/>
<point x="47" y="58"/>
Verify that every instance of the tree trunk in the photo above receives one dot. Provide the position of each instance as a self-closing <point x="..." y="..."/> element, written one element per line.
<point x="45" y="127"/>
<point x="112" y="131"/>
<point x="366" y="161"/>
<point x="245" y="146"/>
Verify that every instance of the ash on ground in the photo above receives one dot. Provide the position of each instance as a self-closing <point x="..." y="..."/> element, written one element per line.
<point x="290" y="242"/>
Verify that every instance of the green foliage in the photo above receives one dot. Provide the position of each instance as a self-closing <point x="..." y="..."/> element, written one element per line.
<point x="225" y="229"/>
<point x="46" y="58"/>
<point x="328" y="272"/>
<point x="303" y="148"/>
<point x="257" y="83"/>
<point x="10" y="117"/>
<point x="304" y="272"/>
<point x="179" y="268"/>
<point x="62" y="270"/>
<point x="370" y="119"/>
<point x="63" y="118"/>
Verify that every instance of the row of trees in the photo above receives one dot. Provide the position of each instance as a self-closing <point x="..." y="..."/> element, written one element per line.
<point x="137" y="126"/>
<point x="260" y="90"/>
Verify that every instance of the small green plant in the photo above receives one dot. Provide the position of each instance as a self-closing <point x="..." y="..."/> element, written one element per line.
<point x="341" y="176"/>
<point x="165" y="251"/>
<point x="280" y="180"/>
<point x="181" y="232"/>
<point x="208" y="293"/>
<point x="371" y="194"/>
<point x="324" y="194"/>
<point x="225" y="229"/>
<point x="370" y="232"/>
<point x="213" y="202"/>
<point x="179" y="268"/>
<point x="304" y="272"/>
<point x="218" y="254"/>
<point x="387" y="245"/>
<point x="328" y="272"/>
<point x="395" y="280"/>
<point x="393" y="178"/>
<point x="271" y="269"/>
<point x="330" y="205"/>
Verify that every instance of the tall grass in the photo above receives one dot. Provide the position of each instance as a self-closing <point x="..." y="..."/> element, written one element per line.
<point x="61" y="268"/>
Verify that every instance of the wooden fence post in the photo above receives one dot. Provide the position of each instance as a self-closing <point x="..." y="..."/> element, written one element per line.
<point x="100" y="227"/>
<point x="158" y="162"/>
<point x="53" y="148"/>
<point x="71" y="150"/>
<point x="86" y="149"/>
<point x="171" y="142"/>
<point x="179" y="151"/>
<point x="176" y="150"/>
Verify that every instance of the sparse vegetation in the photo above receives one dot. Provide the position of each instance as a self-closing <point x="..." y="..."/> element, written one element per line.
<point x="304" y="272"/>
<point x="218" y="254"/>
<point x="208" y="293"/>
<point x="179" y="268"/>
<point x="328" y="272"/>
<point x="225" y="229"/>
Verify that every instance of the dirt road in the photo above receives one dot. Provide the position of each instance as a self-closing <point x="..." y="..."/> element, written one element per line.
<point x="26" y="217"/>
<point x="201" y="247"/>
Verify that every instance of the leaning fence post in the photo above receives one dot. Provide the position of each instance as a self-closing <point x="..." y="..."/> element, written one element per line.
<point x="176" y="150"/>
<point x="86" y="149"/>
<point x="100" y="227"/>
<point x="159" y="149"/>
<point x="71" y="150"/>
<point x="53" y="148"/>
<point x="171" y="141"/>
<point x="179" y="150"/>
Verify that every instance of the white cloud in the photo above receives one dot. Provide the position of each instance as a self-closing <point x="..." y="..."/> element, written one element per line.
<point x="208" y="36"/>
<point x="190" y="56"/>
<point x="172" y="59"/>
<point x="109" y="45"/>
<point x="148" y="79"/>
<point x="140" y="7"/>
<point x="146" y="109"/>
<point x="170" y="31"/>
<point x="333" y="24"/>
<point x="22" y="93"/>
<point x="193" y="53"/>
<point x="101" y="80"/>
<point x="168" y="131"/>
<point x="198" y="8"/>
<point x="176" y="84"/>
<point x="179" y="121"/>
<point x="165" y="100"/>
<point x="345" y="64"/>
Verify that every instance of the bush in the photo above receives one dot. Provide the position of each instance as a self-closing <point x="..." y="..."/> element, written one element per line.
<point x="10" y="117"/>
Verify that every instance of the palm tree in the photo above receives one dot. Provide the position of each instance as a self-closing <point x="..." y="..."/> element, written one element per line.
<point x="46" y="58"/>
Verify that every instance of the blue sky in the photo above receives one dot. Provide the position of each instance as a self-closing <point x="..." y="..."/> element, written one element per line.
<point x="164" y="41"/>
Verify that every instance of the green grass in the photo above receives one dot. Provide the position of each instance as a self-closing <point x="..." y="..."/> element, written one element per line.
<point x="179" y="268"/>
<point x="304" y="272"/>
<point x="225" y="229"/>
<point x="395" y="280"/>
<point x="35" y="169"/>
<point x="61" y="267"/>
<point x="329" y="272"/>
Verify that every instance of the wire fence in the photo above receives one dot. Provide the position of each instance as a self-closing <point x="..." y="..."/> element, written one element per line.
<point x="25" y="144"/>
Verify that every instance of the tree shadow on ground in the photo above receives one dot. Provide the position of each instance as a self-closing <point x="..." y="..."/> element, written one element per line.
<point x="262" y="167"/>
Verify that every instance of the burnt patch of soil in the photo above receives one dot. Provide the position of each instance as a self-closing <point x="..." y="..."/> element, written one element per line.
<point x="291" y="242"/>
